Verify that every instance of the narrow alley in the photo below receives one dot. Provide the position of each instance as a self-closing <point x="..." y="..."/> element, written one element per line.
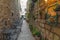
<point x="29" y="19"/>
<point x="25" y="32"/>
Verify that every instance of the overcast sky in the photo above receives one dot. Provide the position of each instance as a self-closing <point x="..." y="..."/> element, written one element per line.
<point x="23" y="6"/>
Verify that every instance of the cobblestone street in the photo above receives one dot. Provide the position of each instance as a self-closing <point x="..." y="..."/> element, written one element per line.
<point x="25" y="32"/>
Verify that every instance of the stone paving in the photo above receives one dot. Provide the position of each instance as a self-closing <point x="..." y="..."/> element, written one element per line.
<point x="25" y="32"/>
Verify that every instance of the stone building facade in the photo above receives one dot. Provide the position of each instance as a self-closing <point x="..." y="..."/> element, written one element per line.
<point x="9" y="14"/>
<point x="38" y="18"/>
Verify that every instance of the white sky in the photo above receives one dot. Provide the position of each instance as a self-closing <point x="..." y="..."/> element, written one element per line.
<point x="23" y="6"/>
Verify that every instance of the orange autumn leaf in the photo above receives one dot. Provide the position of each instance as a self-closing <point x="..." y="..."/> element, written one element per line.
<point x="58" y="1"/>
<point x="51" y="1"/>
<point x="51" y="12"/>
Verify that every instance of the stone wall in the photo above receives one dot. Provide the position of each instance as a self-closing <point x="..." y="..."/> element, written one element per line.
<point x="9" y="11"/>
<point x="47" y="31"/>
<point x="9" y="15"/>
